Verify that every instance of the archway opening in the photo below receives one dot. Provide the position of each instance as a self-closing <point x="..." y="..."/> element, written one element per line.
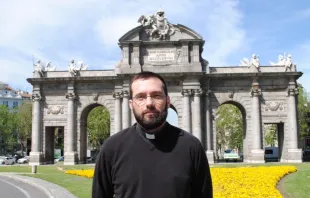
<point x="172" y="117"/>
<point x="94" y="130"/>
<point x="54" y="144"/>
<point x="230" y="132"/>
<point x="273" y="141"/>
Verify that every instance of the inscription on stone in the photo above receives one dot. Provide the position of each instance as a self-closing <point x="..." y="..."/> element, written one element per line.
<point x="161" y="55"/>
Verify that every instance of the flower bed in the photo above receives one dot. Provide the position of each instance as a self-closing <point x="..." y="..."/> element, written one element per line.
<point x="258" y="182"/>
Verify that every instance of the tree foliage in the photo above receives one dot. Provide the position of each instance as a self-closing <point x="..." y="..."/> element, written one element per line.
<point x="271" y="136"/>
<point x="25" y="123"/>
<point x="229" y="127"/>
<point x="98" y="126"/>
<point x="303" y="110"/>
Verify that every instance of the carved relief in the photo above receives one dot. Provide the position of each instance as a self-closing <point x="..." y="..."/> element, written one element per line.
<point x="274" y="106"/>
<point x="36" y="97"/>
<point x="55" y="109"/>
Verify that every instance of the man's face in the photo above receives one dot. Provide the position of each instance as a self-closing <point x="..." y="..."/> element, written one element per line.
<point x="149" y="103"/>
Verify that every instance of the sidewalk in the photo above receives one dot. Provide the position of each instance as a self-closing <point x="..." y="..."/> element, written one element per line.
<point x="52" y="190"/>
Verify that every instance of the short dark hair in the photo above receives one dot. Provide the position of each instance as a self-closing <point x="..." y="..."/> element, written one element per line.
<point x="147" y="75"/>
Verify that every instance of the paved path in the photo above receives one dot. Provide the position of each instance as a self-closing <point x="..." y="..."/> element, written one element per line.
<point x="17" y="186"/>
<point x="12" y="188"/>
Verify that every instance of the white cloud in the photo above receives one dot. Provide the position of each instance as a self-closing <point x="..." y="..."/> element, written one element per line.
<point x="58" y="31"/>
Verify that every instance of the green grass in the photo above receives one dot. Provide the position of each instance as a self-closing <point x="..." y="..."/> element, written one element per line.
<point x="296" y="184"/>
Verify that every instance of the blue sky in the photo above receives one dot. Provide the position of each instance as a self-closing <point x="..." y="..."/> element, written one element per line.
<point x="61" y="30"/>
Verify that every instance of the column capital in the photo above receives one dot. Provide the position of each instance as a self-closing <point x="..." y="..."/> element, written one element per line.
<point x="186" y="92"/>
<point x="197" y="92"/>
<point x="117" y="95"/>
<point x="207" y="92"/>
<point x="70" y="96"/>
<point x="255" y="92"/>
<point x="292" y="92"/>
<point x="36" y="97"/>
<point x="125" y="94"/>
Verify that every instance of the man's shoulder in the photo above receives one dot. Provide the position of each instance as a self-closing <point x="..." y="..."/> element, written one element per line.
<point x="118" y="137"/>
<point x="187" y="137"/>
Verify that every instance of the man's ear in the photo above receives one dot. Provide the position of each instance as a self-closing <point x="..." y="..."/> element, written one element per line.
<point x="168" y="102"/>
<point x="130" y="104"/>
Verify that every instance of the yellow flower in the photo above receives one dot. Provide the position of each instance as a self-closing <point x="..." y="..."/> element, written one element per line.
<point x="242" y="182"/>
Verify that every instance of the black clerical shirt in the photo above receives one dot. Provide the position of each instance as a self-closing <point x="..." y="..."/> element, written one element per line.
<point x="173" y="165"/>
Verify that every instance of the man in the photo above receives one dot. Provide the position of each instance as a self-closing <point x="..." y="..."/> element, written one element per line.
<point x="151" y="159"/>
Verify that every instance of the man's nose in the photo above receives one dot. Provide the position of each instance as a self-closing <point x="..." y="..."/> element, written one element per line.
<point x="149" y="101"/>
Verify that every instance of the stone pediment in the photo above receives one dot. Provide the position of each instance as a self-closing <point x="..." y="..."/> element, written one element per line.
<point x="141" y="33"/>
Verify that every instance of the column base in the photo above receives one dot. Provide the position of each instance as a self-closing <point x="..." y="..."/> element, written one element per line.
<point x="210" y="156"/>
<point x="35" y="158"/>
<point x="70" y="158"/>
<point x="257" y="156"/>
<point x="294" y="156"/>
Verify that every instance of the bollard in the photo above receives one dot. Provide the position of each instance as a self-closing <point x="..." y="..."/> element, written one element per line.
<point x="34" y="169"/>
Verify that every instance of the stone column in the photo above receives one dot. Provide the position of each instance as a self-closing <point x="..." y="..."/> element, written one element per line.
<point x="117" y="112"/>
<point x="185" y="55"/>
<point x="70" y="154"/>
<point x="208" y="121"/>
<point x="35" y="154"/>
<point x="197" y="114"/>
<point x="195" y="53"/>
<point x="209" y="152"/>
<point x="126" y="112"/>
<point x="294" y="154"/>
<point x="257" y="152"/>
<point x="136" y="55"/>
<point x="126" y="54"/>
<point x="186" y="114"/>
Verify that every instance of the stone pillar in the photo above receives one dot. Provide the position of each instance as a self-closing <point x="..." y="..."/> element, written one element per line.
<point x="126" y="54"/>
<point x="197" y="114"/>
<point x="136" y="55"/>
<point x="186" y="114"/>
<point x="209" y="152"/>
<point x="117" y="112"/>
<point x="70" y="154"/>
<point x="257" y="153"/>
<point x="35" y="154"/>
<point x="185" y="55"/>
<point x="195" y="53"/>
<point x="294" y="154"/>
<point x="126" y="112"/>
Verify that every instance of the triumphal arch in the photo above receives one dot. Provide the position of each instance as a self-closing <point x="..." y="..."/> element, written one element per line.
<point x="264" y="94"/>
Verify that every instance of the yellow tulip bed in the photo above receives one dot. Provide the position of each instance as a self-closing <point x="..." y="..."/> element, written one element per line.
<point x="241" y="182"/>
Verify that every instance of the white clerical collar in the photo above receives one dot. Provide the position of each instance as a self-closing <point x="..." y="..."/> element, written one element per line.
<point x="150" y="136"/>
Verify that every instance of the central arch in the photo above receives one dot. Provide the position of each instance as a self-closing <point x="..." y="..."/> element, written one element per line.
<point x="240" y="107"/>
<point x="84" y="149"/>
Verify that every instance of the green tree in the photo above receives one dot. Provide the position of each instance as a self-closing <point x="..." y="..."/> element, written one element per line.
<point x="98" y="126"/>
<point x="303" y="110"/>
<point x="24" y="123"/>
<point x="229" y="127"/>
<point x="271" y="134"/>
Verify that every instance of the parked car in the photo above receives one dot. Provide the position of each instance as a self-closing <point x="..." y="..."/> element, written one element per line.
<point x="230" y="155"/>
<point x="23" y="160"/>
<point x="61" y="158"/>
<point x="271" y="153"/>
<point x="7" y="160"/>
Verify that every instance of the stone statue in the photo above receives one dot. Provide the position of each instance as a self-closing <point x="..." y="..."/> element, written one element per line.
<point x="285" y="61"/>
<point x="157" y="26"/>
<point x="253" y="62"/>
<point x="72" y="68"/>
<point x="281" y="61"/>
<point x="49" y="67"/>
<point x="81" y="66"/>
<point x="289" y="64"/>
<point x="38" y="67"/>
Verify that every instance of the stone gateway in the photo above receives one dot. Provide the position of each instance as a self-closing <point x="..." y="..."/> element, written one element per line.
<point x="264" y="94"/>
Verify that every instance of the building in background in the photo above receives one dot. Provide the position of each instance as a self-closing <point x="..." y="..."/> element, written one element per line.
<point x="12" y="98"/>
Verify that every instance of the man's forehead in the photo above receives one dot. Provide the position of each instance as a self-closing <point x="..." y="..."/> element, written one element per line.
<point x="142" y="85"/>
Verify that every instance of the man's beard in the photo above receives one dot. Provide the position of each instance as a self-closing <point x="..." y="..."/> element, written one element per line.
<point x="151" y="123"/>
